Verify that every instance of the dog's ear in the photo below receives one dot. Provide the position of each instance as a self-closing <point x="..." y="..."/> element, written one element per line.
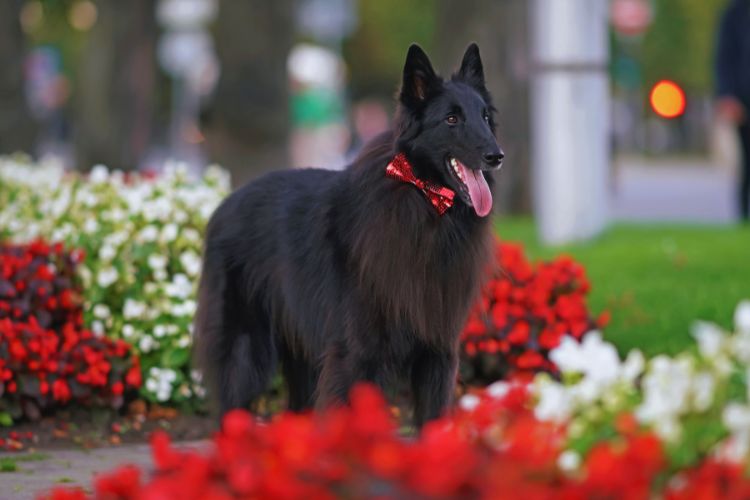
<point x="471" y="71"/>
<point x="419" y="77"/>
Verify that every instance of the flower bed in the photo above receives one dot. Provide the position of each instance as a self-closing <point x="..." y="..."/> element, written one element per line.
<point x="47" y="358"/>
<point x="524" y="312"/>
<point x="697" y="403"/>
<point x="510" y="440"/>
<point x="142" y="241"/>
<point x="495" y="449"/>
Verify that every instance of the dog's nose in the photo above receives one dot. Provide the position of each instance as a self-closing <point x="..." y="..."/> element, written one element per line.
<point x="494" y="158"/>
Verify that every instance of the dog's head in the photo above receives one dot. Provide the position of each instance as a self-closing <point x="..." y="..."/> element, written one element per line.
<point x="447" y="127"/>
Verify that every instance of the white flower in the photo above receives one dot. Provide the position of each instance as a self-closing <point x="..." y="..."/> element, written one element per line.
<point x="180" y="287"/>
<point x="88" y="199"/>
<point x="554" y="402"/>
<point x="90" y="226"/>
<point x="703" y="391"/>
<point x="106" y="277"/>
<point x="498" y="389"/>
<point x="128" y="330"/>
<point x="740" y="346"/>
<point x="633" y="366"/>
<point x="735" y="449"/>
<point x="206" y="211"/>
<point x="97" y="327"/>
<point x="159" y="331"/>
<point x="116" y="215"/>
<point x="148" y="234"/>
<point x="160" y="381"/>
<point x="146" y="343"/>
<point x="191" y="262"/>
<point x="107" y="253"/>
<point x="593" y="357"/>
<point x="742" y="317"/>
<point x="157" y="209"/>
<point x="183" y="341"/>
<point x="469" y="402"/>
<point x="736" y="417"/>
<point x="133" y="309"/>
<point x="569" y="461"/>
<point x="169" y="375"/>
<point x="710" y="338"/>
<point x="187" y="308"/>
<point x="163" y="392"/>
<point x="101" y="311"/>
<point x="98" y="174"/>
<point x="668" y="429"/>
<point x="191" y="235"/>
<point x="157" y="262"/>
<point x="152" y="385"/>
<point x="169" y="233"/>
<point x="666" y="387"/>
<point x="180" y="216"/>
<point x="199" y="391"/>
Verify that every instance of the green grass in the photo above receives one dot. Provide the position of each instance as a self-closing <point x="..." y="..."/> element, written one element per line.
<point x="655" y="279"/>
<point x="10" y="464"/>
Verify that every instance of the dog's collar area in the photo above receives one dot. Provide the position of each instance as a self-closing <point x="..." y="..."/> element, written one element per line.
<point x="400" y="169"/>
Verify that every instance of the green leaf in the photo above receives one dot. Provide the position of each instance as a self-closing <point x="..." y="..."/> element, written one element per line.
<point x="175" y="358"/>
<point x="5" y="419"/>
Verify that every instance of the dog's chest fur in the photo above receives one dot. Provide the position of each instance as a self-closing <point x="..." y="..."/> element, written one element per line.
<point x="420" y="269"/>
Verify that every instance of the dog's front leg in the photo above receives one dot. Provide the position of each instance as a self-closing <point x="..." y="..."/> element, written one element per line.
<point x="433" y="383"/>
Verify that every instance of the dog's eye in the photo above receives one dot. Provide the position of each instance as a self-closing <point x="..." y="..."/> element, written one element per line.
<point x="451" y="119"/>
<point x="486" y="117"/>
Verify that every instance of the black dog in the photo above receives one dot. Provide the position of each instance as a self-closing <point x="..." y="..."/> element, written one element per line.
<point x="360" y="275"/>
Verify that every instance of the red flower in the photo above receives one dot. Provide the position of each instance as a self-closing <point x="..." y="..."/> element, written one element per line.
<point x="117" y="388"/>
<point x="495" y="450"/>
<point x="133" y="377"/>
<point x="530" y="360"/>
<point x="236" y="424"/>
<point x="124" y="483"/>
<point x="163" y="455"/>
<point x="42" y="336"/>
<point x="523" y="313"/>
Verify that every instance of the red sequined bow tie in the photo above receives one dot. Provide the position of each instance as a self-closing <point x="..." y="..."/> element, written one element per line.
<point x="400" y="169"/>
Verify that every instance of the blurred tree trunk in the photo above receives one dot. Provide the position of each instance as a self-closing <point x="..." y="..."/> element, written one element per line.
<point x="116" y="83"/>
<point x="16" y="125"/>
<point x="246" y="123"/>
<point x="501" y="28"/>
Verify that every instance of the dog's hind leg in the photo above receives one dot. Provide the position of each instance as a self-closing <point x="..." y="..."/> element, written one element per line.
<point x="301" y="378"/>
<point x="246" y="363"/>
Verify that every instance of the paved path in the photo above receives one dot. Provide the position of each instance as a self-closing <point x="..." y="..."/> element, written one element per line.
<point x="43" y="470"/>
<point x="673" y="190"/>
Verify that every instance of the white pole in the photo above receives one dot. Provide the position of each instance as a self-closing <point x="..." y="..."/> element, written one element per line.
<point x="570" y="113"/>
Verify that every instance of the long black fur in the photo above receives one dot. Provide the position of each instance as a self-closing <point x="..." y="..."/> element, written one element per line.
<point x="351" y="276"/>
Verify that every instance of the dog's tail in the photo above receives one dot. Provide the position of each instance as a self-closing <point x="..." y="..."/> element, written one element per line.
<point x="233" y="346"/>
<point x="208" y="326"/>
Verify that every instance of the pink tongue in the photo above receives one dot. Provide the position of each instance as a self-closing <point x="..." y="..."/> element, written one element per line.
<point x="479" y="191"/>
